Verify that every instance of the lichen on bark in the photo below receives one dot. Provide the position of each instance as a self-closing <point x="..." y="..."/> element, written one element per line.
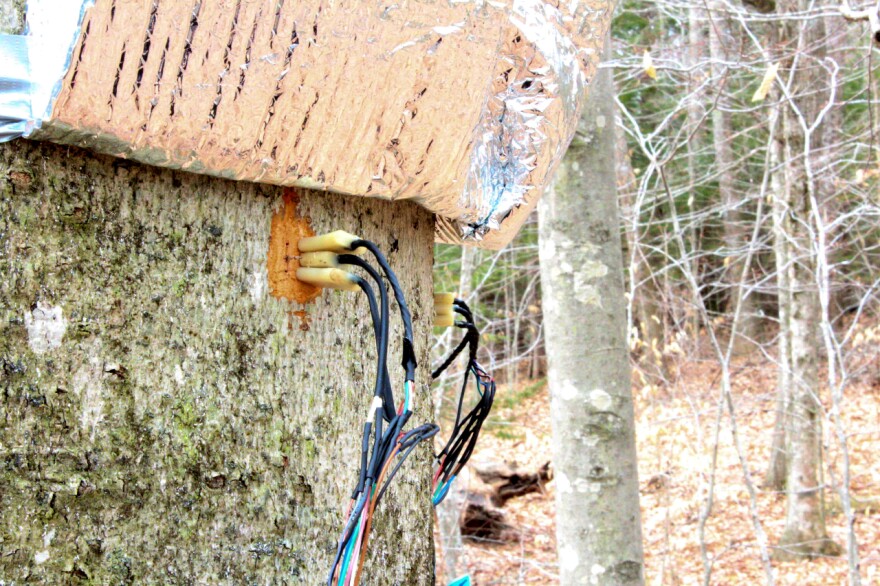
<point x="186" y="429"/>
<point x="11" y="16"/>
<point x="598" y="520"/>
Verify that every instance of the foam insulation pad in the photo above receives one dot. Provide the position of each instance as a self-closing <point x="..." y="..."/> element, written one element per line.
<point x="464" y="106"/>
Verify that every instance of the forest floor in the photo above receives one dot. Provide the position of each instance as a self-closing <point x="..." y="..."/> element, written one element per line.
<point x="675" y="428"/>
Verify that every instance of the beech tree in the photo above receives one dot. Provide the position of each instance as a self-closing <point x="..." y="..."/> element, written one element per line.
<point x="172" y="413"/>
<point x="597" y="493"/>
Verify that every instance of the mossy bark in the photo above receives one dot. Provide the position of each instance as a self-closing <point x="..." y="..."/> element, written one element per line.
<point x="165" y="418"/>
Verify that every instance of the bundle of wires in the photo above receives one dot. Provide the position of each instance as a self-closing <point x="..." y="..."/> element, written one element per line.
<point x="466" y="431"/>
<point x="385" y="445"/>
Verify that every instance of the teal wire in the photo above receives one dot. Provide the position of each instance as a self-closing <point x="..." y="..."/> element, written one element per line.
<point x="477" y="382"/>
<point x="348" y="551"/>
<point x="441" y="494"/>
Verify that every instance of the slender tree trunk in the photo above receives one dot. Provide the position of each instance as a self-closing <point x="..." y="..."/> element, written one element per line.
<point x="695" y="53"/>
<point x="511" y="327"/>
<point x="516" y="316"/>
<point x="450" y="509"/>
<point x="777" y="471"/>
<point x="507" y="334"/>
<point x="649" y="315"/>
<point x="736" y="233"/>
<point x="598" y="519"/>
<point x="805" y="532"/>
<point x="169" y="415"/>
<point x="466" y="275"/>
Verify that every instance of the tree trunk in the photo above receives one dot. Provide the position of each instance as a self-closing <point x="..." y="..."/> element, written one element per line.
<point x="169" y="414"/>
<point x="696" y="54"/>
<point x="598" y="519"/>
<point x="449" y="510"/>
<point x="805" y="533"/>
<point x="777" y="471"/>
<point x="466" y="275"/>
<point x="646" y="314"/>
<point x="735" y="231"/>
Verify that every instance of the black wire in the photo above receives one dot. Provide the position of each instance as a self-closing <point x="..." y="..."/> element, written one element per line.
<point x="430" y="432"/>
<point x="461" y="445"/>
<point x="409" y="355"/>
<point x="389" y="439"/>
<point x="461" y="305"/>
<point x="451" y="358"/>
<point x="365" y="445"/>
<point x="466" y="430"/>
<point x="380" y="329"/>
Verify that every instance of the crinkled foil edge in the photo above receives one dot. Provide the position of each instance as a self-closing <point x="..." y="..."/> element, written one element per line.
<point x="514" y="130"/>
<point x="516" y="144"/>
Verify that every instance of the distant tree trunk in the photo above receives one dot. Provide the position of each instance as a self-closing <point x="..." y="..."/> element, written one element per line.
<point x="516" y="318"/>
<point x="648" y="320"/>
<point x="735" y="232"/>
<point x="466" y="275"/>
<point x="805" y="532"/>
<point x="170" y="415"/>
<point x="777" y="471"/>
<point x="510" y="330"/>
<point x="597" y="497"/>
<point x="696" y="53"/>
<point x="450" y="509"/>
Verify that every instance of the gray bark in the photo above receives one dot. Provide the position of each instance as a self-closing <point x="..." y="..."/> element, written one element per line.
<point x="644" y="310"/>
<point x="598" y="519"/>
<point x="167" y="419"/>
<point x="735" y="231"/>
<point x="777" y="471"/>
<point x="805" y="532"/>
<point x="695" y="110"/>
<point x="11" y="17"/>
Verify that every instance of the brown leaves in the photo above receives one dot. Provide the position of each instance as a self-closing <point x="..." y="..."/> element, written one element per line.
<point x="675" y="433"/>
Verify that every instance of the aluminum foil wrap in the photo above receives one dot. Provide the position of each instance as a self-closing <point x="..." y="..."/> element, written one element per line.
<point x="33" y="65"/>
<point x="464" y="106"/>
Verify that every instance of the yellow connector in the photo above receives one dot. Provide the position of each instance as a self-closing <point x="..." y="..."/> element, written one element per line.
<point x="329" y="278"/>
<point x="338" y="241"/>
<point x="444" y="313"/>
<point x="319" y="260"/>
<point x="444" y="321"/>
<point x="444" y="298"/>
<point x="443" y="310"/>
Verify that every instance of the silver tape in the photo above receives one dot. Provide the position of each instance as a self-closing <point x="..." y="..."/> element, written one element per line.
<point x="514" y="130"/>
<point x="32" y="65"/>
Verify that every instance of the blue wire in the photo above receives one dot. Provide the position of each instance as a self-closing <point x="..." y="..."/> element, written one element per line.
<point x="350" y="547"/>
<point x="443" y="491"/>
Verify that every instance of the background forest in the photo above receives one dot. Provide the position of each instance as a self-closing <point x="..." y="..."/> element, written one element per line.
<point x="748" y="167"/>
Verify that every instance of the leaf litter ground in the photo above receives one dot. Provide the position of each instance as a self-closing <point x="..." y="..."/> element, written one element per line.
<point x="675" y="428"/>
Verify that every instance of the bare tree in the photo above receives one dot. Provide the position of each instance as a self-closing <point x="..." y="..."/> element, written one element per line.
<point x="801" y="116"/>
<point x="735" y="231"/>
<point x="450" y="509"/>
